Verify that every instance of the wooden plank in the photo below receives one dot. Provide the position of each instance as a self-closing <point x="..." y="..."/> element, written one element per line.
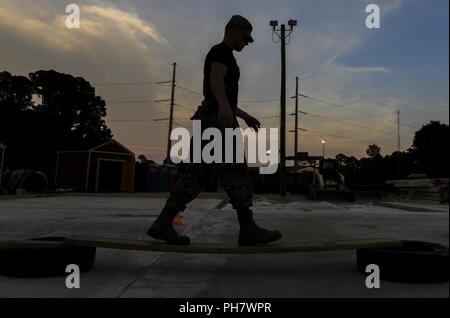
<point x="25" y="244"/>
<point x="141" y="245"/>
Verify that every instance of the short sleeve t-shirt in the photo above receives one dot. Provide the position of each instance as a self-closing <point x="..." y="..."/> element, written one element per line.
<point x="222" y="53"/>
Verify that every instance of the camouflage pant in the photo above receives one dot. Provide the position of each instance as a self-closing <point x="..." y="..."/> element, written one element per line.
<point x="233" y="177"/>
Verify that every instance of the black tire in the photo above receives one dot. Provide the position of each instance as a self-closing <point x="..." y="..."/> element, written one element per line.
<point x="45" y="260"/>
<point x="414" y="262"/>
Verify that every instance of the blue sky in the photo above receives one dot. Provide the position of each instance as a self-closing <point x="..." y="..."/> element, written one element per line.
<point x="375" y="72"/>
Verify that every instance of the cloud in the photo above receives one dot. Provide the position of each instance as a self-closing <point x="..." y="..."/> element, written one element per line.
<point x="367" y="69"/>
<point x="100" y="24"/>
<point x="109" y="20"/>
<point x="34" y="23"/>
<point x="391" y="5"/>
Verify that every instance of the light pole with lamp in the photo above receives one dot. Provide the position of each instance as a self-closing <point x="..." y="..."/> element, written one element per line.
<point x="323" y="146"/>
<point x="282" y="36"/>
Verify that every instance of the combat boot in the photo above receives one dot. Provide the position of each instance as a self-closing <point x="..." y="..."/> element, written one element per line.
<point x="162" y="229"/>
<point x="250" y="233"/>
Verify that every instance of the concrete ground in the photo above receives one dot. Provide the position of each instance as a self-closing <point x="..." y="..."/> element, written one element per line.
<point x="120" y="273"/>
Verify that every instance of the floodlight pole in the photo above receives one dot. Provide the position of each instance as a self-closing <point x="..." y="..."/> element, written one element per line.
<point x="282" y="37"/>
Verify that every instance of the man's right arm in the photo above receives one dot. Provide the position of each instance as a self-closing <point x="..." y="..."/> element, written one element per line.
<point x="217" y="82"/>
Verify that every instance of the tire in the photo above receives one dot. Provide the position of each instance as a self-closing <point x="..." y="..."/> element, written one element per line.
<point x="414" y="262"/>
<point x="45" y="260"/>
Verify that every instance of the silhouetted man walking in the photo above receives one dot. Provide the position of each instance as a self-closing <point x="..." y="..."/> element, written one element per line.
<point x="219" y="109"/>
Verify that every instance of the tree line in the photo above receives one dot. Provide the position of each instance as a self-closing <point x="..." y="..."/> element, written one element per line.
<point x="427" y="156"/>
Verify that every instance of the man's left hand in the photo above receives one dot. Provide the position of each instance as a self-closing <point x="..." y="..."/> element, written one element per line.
<point x="252" y="122"/>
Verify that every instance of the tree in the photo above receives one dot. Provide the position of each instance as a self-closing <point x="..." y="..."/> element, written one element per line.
<point x="70" y="103"/>
<point x="15" y="99"/>
<point x="429" y="148"/>
<point x="349" y="167"/>
<point x="341" y="159"/>
<point x="69" y="117"/>
<point x="373" y="151"/>
<point x="144" y="161"/>
<point x="15" y="93"/>
<point x="16" y="110"/>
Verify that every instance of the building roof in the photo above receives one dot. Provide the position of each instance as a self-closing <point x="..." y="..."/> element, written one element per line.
<point x="112" y="146"/>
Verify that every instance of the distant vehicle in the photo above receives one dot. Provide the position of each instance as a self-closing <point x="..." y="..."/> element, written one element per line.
<point x="320" y="179"/>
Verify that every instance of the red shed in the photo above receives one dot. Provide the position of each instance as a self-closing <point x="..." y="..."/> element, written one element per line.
<point x="106" y="168"/>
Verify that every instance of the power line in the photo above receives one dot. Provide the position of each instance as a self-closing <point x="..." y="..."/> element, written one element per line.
<point x="132" y="120"/>
<point x="183" y="125"/>
<point x="269" y="117"/>
<point x="185" y="107"/>
<point x="348" y="108"/>
<point x="125" y="84"/>
<point x="351" y="124"/>
<point x="189" y="90"/>
<point x="348" y="91"/>
<point x="163" y="102"/>
<point x="83" y="66"/>
<point x="242" y="100"/>
<point x="186" y="125"/>
<point x="349" y="138"/>
<point x="197" y="67"/>
<point x="339" y="121"/>
<point x="356" y="110"/>
<point x="130" y="101"/>
<point x="259" y="100"/>
<point x="248" y="101"/>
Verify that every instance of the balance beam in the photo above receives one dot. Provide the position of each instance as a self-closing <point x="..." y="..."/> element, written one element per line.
<point x="198" y="248"/>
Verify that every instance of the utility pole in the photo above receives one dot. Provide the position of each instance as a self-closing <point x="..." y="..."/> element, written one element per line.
<point x="296" y="123"/>
<point x="283" y="114"/>
<point x="297" y="128"/>
<point x="398" y="130"/>
<point x="172" y="103"/>
<point x="282" y="37"/>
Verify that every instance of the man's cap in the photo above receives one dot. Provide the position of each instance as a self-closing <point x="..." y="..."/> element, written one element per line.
<point x="245" y="25"/>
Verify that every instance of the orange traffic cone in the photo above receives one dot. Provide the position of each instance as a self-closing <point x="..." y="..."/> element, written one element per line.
<point x="177" y="219"/>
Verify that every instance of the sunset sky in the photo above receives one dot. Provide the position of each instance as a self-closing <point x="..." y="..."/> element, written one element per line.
<point x="357" y="78"/>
